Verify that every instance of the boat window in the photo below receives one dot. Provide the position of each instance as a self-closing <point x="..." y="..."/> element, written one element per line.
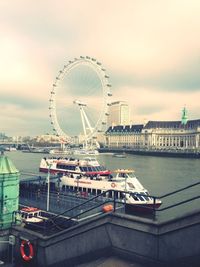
<point x="94" y="191"/>
<point x="140" y="197"/>
<point x="67" y="187"/>
<point x="98" y="192"/>
<point x="116" y="194"/>
<point x="30" y="215"/>
<point x="131" y="185"/>
<point x="89" y="190"/>
<point x="143" y="193"/>
<point x="149" y="196"/>
<point x="134" y="197"/>
<point x="110" y="194"/>
<point x="121" y="195"/>
<point x="84" y="189"/>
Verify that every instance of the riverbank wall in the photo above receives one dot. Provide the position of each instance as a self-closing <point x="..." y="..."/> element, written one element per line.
<point x="142" y="240"/>
<point x="156" y="153"/>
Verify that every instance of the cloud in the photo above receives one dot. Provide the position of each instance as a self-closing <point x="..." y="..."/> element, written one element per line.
<point x="183" y="79"/>
<point x="150" y="104"/>
<point x="149" y="48"/>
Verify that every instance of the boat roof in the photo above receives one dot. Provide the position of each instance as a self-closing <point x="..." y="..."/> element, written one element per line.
<point x="30" y="209"/>
<point x="124" y="171"/>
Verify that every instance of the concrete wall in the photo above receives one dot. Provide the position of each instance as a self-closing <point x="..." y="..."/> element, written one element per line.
<point x="127" y="236"/>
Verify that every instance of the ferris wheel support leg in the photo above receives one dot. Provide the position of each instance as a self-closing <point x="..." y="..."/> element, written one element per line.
<point x="83" y="123"/>
<point x="87" y="121"/>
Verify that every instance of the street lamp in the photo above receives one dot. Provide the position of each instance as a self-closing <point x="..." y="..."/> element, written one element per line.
<point x="48" y="186"/>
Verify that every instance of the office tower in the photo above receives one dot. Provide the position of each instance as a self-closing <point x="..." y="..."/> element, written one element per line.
<point x="119" y="113"/>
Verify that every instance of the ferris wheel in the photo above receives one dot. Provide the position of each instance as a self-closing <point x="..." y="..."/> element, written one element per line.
<point x="80" y="99"/>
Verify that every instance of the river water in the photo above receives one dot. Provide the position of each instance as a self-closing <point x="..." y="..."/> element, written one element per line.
<point x="159" y="175"/>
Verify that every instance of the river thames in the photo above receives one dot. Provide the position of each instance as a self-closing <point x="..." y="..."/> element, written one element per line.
<point x="159" y="175"/>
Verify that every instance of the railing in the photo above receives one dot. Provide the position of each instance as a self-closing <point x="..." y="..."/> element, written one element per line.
<point x="93" y="206"/>
<point x="63" y="221"/>
<point x="180" y="202"/>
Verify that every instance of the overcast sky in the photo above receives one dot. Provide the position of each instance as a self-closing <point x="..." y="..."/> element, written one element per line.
<point x="150" y="49"/>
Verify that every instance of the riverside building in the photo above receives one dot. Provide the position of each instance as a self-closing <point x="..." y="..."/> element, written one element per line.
<point x="119" y="113"/>
<point x="156" y="135"/>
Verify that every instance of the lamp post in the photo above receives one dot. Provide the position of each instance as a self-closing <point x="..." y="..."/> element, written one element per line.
<point x="125" y="188"/>
<point x="48" y="186"/>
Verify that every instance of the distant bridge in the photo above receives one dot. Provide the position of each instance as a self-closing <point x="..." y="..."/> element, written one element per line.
<point x="11" y="143"/>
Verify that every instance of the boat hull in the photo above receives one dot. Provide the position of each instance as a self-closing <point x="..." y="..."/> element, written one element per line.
<point x="143" y="208"/>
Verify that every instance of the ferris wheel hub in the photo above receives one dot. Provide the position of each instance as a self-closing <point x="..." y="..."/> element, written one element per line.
<point x="80" y="103"/>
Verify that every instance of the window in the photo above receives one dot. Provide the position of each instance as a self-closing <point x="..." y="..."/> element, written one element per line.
<point x="110" y="194"/>
<point x="94" y="191"/>
<point x="98" y="191"/>
<point x="131" y="185"/>
<point x="134" y="197"/>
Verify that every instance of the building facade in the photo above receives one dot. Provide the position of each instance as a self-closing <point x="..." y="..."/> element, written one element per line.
<point x="119" y="113"/>
<point x="156" y="135"/>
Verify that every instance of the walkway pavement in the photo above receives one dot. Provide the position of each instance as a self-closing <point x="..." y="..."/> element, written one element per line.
<point x="111" y="262"/>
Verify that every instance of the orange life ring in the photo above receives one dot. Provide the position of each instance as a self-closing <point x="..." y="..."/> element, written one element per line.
<point x="113" y="185"/>
<point x="31" y="252"/>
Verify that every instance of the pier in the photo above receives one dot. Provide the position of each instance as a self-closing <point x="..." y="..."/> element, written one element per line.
<point x="140" y="240"/>
<point x="131" y="238"/>
<point x="79" y="231"/>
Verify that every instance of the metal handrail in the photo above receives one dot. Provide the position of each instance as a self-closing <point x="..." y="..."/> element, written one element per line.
<point x="179" y="203"/>
<point x="179" y="190"/>
<point x="114" y="200"/>
<point x="79" y="205"/>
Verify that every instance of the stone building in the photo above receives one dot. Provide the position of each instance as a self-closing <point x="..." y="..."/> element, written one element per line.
<point x="156" y="135"/>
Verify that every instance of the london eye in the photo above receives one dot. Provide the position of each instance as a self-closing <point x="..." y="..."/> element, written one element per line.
<point x="79" y="101"/>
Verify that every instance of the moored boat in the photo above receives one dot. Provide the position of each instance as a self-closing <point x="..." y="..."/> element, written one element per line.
<point x="32" y="216"/>
<point x="123" y="183"/>
<point x="73" y="166"/>
<point x="116" y="155"/>
<point x="59" y="152"/>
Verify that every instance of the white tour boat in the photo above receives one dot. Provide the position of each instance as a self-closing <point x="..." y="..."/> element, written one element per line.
<point x="136" y="198"/>
<point x="86" y="166"/>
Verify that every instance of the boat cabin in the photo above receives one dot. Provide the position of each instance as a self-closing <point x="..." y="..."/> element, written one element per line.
<point x="31" y="215"/>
